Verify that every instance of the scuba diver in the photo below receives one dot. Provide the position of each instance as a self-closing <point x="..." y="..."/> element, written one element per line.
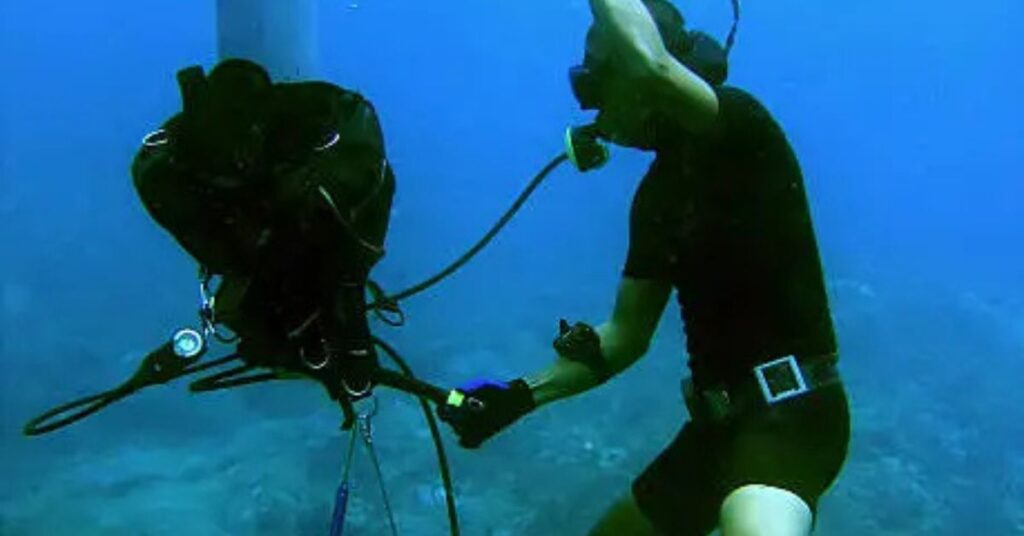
<point x="282" y="190"/>
<point x="279" y="186"/>
<point x="722" y="218"/>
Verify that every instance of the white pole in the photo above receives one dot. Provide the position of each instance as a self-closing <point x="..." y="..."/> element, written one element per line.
<point x="280" y="35"/>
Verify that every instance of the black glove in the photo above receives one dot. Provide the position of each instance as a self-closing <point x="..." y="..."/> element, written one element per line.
<point x="581" y="343"/>
<point x="488" y="407"/>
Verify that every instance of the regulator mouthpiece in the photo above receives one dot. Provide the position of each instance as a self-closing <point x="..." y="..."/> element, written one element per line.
<point x="584" y="148"/>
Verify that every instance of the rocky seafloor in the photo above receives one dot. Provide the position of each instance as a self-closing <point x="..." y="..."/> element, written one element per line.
<point x="933" y="379"/>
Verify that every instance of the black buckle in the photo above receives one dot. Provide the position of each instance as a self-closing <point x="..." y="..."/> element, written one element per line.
<point x="710" y="404"/>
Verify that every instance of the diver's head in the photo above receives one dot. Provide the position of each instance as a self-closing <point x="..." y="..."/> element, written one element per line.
<point x="626" y="114"/>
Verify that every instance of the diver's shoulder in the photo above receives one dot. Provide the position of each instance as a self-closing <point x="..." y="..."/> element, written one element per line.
<point x="731" y="91"/>
<point x="738" y="107"/>
<point x="738" y="99"/>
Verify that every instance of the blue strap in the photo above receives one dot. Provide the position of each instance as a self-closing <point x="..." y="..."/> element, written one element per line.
<point x="340" y="507"/>
<point x="341" y="497"/>
<point x="731" y="39"/>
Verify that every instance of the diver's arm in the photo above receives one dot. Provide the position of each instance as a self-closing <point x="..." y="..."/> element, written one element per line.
<point x="640" y="48"/>
<point x="625" y="337"/>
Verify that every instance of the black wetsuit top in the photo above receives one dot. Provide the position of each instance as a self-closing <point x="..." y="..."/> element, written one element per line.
<point x="723" y="217"/>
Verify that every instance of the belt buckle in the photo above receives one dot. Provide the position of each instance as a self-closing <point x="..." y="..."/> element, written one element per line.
<point x="772" y="396"/>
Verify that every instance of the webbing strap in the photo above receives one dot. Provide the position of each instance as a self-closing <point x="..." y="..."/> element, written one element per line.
<point x="731" y="39"/>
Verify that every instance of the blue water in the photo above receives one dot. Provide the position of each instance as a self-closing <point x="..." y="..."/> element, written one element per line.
<point x="906" y="117"/>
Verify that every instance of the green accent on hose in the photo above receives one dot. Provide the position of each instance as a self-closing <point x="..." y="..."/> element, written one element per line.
<point x="570" y="148"/>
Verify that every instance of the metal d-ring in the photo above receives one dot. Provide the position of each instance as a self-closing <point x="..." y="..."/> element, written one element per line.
<point x="312" y="365"/>
<point x="331" y="142"/>
<point x="356" y="394"/>
<point x="156" y="138"/>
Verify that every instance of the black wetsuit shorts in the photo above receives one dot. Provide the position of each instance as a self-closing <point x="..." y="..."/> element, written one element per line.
<point x="798" y="445"/>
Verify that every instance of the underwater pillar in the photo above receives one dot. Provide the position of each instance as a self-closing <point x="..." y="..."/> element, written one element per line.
<point x="280" y="35"/>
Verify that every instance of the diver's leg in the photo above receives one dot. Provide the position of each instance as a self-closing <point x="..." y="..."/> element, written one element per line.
<point x="782" y="463"/>
<point x="624" y="518"/>
<point x="279" y="35"/>
<point x="676" y="495"/>
<point x="758" y="510"/>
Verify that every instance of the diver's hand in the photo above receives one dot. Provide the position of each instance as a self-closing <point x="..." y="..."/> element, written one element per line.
<point x="489" y="407"/>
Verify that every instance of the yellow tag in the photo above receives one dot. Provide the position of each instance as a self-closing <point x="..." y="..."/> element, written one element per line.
<point x="455" y="398"/>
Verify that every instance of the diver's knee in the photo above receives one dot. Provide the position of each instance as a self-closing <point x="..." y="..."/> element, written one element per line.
<point x="759" y="510"/>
